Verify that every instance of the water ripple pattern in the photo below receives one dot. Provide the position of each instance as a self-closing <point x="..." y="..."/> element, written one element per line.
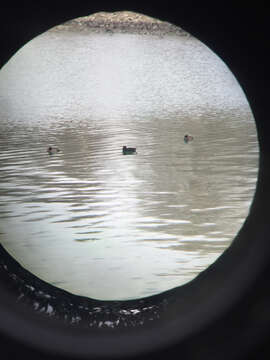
<point x="93" y="221"/>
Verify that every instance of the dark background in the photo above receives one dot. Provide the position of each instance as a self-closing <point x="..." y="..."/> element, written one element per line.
<point x="239" y="34"/>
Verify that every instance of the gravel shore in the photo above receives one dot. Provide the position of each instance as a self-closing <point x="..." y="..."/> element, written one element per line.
<point x="121" y="22"/>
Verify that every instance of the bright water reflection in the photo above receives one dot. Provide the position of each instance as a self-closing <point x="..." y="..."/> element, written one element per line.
<point x="101" y="224"/>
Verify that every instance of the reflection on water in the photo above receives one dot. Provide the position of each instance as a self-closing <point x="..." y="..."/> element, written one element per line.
<point x="98" y="223"/>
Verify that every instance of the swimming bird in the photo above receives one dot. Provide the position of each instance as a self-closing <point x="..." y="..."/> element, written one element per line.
<point x="52" y="150"/>
<point x="129" y="150"/>
<point x="188" y="138"/>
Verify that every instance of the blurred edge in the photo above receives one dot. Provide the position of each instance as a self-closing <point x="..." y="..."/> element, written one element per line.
<point x="239" y="34"/>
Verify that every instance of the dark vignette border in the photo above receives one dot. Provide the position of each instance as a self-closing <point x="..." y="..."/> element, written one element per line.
<point x="223" y="313"/>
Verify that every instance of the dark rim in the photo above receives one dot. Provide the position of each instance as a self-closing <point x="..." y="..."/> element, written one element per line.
<point x="220" y="297"/>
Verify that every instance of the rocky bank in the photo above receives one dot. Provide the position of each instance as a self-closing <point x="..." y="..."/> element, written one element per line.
<point x="121" y="22"/>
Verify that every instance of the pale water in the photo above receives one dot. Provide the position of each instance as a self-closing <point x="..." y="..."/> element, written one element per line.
<point x="91" y="220"/>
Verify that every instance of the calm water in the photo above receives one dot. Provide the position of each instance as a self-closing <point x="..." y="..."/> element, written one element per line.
<point x="104" y="225"/>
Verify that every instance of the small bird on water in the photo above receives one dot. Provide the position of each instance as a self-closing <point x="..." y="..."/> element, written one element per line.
<point x="188" y="138"/>
<point x="129" y="150"/>
<point x="52" y="150"/>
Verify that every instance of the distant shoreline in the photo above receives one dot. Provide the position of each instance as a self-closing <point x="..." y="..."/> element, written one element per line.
<point x="121" y="22"/>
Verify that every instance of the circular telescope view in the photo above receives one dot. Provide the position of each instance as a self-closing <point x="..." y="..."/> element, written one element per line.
<point x="128" y="156"/>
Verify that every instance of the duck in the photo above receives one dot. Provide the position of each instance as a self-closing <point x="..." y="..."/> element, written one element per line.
<point x="52" y="150"/>
<point x="188" y="138"/>
<point x="129" y="150"/>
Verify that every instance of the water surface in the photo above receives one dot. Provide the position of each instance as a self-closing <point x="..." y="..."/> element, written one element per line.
<point x="104" y="225"/>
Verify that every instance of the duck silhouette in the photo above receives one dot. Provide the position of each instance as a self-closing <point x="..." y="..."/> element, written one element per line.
<point x="129" y="150"/>
<point x="188" y="138"/>
<point x="52" y="150"/>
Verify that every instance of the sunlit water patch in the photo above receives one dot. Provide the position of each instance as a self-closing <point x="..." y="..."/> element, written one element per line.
<point x="91" y="220"/>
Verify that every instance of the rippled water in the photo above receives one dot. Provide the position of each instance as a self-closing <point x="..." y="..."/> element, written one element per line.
<point x="91" y="220"/>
